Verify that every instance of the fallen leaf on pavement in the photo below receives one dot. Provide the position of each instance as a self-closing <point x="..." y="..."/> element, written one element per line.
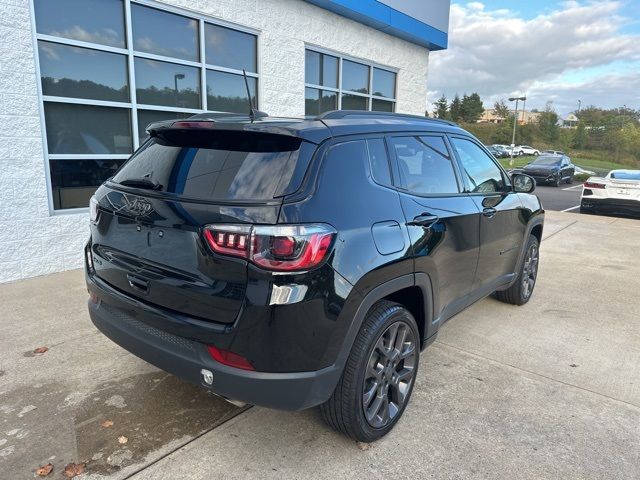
<point x="363" y="446"/>
<point x="107" y="424"/>
<point x="44" y="470"/>
<point x="123" y="439"/>
<point x="73" y="469"/>
<point x="41" y="350"/>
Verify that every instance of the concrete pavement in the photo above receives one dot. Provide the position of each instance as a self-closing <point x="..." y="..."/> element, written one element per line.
<point x="547" y="390"/>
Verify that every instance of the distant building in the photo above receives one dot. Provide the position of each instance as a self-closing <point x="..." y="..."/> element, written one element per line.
<point x="524" y="117"/>
<point x="571" y="121"/>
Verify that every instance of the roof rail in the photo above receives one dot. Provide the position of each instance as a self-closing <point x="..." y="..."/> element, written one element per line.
<point x="338" y="114"/>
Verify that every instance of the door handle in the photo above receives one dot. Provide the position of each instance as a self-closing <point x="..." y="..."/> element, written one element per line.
<point x="138" y="283"/>
<point x="489" y="212"/>
<point x="425" y="220"/>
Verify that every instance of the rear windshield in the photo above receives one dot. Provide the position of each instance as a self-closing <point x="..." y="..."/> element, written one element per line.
<point x="233" y="167"/>
<point x="626" y="175"/>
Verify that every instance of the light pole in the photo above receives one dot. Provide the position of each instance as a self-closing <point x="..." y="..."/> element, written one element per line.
<point x="579" y="105"/>
<point x="176" y="77"/>
<point x="515" y="122"/>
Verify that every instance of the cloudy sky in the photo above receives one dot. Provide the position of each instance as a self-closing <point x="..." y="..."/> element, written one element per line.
<point x="558" y="51"/>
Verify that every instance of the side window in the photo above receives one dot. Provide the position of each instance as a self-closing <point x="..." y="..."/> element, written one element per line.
<point x="425" y="165"/>
<point x="379" y="161"/>
<point x="480" y="171"/>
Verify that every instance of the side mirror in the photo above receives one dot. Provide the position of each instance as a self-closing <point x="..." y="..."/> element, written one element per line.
<point x="523" y="183"/>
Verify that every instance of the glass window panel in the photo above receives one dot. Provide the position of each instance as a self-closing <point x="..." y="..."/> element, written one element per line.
<point x="82" y="72"/>
<point x="164" y="33"/>
<point x="146" y="117"/>
<point x="379" y="161"/>
<point x="355" y="77"/>
<point x="381" y="105"/>
<point x="321" y="69"/>
<point x="384" y="83"/>
<point x="424" y="166"/>
<point x="319" y="101"/>
<point x="354" y="102"/>
<point x="74" y="181"/>
<point x="226" y="92"/>
<point x="251" y="171"/>
<point x="81" y="129"/>
<point x="312" y="67"/>
<point x="479" y="169"/>
<point x="329" y="71"/>
<point x="97" y="21"/>
<point x="164" y="83"/>
<point x="229" y="48"/>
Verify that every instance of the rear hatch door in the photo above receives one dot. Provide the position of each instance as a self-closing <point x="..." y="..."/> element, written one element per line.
<point x="147" y="240"/>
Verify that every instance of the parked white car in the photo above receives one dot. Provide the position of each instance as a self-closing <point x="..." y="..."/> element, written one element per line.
<point x="525" y="150"/>
<point x="618" y="192"/>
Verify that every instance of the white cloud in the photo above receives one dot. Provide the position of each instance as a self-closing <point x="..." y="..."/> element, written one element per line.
<point x="497" y="54"/>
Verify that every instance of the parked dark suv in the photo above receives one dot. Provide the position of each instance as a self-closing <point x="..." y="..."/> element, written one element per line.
<point x="293" y="263"/>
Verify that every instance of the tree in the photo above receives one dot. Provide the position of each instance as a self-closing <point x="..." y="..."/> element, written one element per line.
<point x="548" y="124"/>
<point x="472" y="108"/>
<point x="441" y="109"/>
<point x="501" y="109"/>
<point x="580" y="136"/>
<point x="455" y="109"/>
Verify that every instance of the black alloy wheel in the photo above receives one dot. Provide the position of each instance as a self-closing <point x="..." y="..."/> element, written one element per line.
<point x="389" y="375"/>
<point x="379" y="376"/>
<point x="530" y="270"/>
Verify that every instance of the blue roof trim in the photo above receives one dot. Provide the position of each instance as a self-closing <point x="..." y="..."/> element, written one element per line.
<point x="388" y="20"/>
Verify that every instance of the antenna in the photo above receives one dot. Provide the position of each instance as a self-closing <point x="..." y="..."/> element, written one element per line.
<point x="253" y="111"/>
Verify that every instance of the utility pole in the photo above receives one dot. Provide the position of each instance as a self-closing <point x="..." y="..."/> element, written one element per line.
<point x="515" y="122"/>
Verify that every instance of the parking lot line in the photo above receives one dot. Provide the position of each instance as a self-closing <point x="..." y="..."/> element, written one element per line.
<point x="571" y="208"/>
<point x="571" y="188"/>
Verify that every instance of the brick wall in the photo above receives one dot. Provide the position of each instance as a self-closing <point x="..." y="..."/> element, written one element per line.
<point x="34" y="242"/>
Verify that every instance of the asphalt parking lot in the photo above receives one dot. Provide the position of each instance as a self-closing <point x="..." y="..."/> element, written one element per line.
<point x="565" y="198"/>
<point x="547" y="390"/>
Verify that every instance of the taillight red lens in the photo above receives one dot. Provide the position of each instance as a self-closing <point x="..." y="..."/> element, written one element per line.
<point x="229" y="239"/>
<point x="229" y="358"/>
<point x="593" y="185"/>
<point x="283" y="248"/>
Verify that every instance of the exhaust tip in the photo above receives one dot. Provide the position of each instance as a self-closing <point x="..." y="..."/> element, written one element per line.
<point x="206" y="376"/>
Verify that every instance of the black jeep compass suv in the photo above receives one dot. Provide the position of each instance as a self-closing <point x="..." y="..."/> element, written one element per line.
<point x="291" y="263"/>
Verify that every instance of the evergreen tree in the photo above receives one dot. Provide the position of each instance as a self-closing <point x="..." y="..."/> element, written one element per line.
<point x="441" y="108"/>
<point x="455" y="109"/>
<point x="472" y="108"/>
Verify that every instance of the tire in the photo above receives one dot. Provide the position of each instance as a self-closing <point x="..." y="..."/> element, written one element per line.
<point x="570" y="180"/>
<point x="365" y="379"/>
<point x="520" y="292"/>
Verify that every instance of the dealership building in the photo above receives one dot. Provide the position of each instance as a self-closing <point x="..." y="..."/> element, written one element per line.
<point x="81" y="79"/>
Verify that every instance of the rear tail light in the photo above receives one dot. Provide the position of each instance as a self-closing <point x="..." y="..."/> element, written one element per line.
<point x="229" y="358"/>
<point x="593" y="185"/>
<point x="284" y="248"/>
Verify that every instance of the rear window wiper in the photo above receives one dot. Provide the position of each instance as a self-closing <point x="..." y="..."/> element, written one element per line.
<point x="145" y="183"/>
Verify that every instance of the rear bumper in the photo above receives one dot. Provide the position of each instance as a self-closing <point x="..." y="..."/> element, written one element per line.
<point x="186" y="358"/>
<point x="610" y="205"/>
